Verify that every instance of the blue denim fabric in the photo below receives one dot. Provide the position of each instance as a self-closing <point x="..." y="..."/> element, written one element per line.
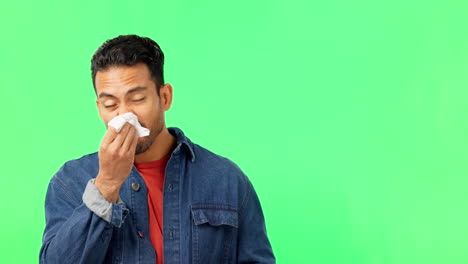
<point x="211" y="214"/>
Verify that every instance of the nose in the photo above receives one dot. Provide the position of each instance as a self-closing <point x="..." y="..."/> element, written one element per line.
<point x="124" y="108"/>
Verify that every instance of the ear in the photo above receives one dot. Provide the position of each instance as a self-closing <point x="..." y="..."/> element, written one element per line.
<point x="165" y="95"/>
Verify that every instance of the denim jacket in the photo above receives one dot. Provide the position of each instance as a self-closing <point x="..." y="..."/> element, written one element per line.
<point x="211" y="214"/>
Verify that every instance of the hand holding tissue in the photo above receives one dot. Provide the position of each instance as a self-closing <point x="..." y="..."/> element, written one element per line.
<point x="119" y="121"/>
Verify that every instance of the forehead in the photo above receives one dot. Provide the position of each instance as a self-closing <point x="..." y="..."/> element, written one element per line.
<point x="120" y="78"/>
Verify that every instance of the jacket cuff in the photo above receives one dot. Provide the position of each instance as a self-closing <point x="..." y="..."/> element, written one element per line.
<point x="113" y="213"/>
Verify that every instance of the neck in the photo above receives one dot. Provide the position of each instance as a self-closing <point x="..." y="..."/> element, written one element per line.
<point x="162" y="145"/>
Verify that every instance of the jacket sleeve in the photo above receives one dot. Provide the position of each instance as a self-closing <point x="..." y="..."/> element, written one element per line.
<point x="78" y="230"/>
<point x="253" y="244"/>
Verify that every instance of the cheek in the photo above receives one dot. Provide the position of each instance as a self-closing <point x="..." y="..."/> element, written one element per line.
<point x="105" y="118"/>
<point x="104" y="114"/>
<point x="147" y="113"/>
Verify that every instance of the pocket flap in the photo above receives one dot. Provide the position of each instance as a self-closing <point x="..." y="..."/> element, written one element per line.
<point x="215" y="215"/>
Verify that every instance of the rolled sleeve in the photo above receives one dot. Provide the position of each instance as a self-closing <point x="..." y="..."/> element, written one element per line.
<point x="113" y="213"/>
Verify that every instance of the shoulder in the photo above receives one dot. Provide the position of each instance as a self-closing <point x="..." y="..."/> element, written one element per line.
<point x="214" y="163"/>
<point x="218" y="177"/>
<point x="202" y="159"/>
<point x="79" y="167"/>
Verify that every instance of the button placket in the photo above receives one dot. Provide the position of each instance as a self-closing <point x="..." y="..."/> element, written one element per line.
<point x="135" y="186"/>
<point x="171" y="234"/>
<point x="140" y="234"/>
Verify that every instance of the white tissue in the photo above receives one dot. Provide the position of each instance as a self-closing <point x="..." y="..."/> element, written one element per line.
<point x="119" y="121"/>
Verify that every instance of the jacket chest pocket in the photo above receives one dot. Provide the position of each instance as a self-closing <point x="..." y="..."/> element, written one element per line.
<point x="214" y="234"/>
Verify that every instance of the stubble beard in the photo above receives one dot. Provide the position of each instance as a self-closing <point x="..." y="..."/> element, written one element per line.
<point x="145" y="143"/>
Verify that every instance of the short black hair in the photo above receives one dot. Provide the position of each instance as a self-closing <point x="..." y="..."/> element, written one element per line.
<point x="129" y="50"/>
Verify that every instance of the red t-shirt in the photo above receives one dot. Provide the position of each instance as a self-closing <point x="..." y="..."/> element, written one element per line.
<point x="153" y="175"/>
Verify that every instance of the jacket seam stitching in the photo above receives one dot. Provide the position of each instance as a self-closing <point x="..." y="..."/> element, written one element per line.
<point x="61" y="185"/>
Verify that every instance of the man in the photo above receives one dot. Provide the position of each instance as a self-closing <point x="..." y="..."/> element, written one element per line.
<point x="153" y="199"/>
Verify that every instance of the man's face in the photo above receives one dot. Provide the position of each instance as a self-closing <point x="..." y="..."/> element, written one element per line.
<point x="122" y="89"/>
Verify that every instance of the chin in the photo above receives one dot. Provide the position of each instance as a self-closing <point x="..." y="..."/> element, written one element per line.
<point x="143" y="145"/>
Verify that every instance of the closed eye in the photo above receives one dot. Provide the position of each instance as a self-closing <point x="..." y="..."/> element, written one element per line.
<point x="137" y="100"/>
<point x="109" y="106"/>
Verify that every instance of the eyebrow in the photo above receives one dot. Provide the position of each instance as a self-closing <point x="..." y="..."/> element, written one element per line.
<point x="133" y="90"/>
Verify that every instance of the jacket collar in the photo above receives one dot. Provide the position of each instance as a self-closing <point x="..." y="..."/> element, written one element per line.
<point x="182" y="140"/>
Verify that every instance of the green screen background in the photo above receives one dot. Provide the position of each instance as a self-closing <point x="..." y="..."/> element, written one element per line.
<point x="349" y="117"/>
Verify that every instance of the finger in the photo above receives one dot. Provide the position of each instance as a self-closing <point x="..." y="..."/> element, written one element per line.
<point x="129" y="138"/>
<point x="110" y="135"/>
<point x="134" y="143"/>
<point x="119" y="139"/>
